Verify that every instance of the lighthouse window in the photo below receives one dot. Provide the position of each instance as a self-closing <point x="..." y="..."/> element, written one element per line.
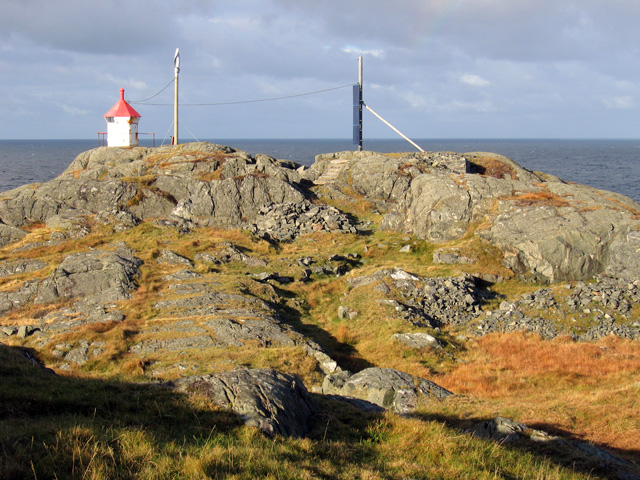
<point x="110" y="119"/>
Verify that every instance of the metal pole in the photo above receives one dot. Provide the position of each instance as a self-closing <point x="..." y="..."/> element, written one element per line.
<point x="360" y="71"/>
<point x="393" y="128"/>
<point x="176" y="70"/>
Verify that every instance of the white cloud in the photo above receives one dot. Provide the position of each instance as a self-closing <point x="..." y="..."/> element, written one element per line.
<point x="474" y="80"/>
<point x="618" y="103"/>
<point x="74" y="111"/>
<point x="481" y="106"/>
<point x="129" y="83"/>
<point x="361" y="52"/>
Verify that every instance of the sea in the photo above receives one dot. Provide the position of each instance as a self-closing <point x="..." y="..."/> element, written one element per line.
<point x="612" y="165"/>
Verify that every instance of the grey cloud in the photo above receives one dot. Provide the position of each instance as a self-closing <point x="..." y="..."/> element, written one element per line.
<point x="112" y="27"/>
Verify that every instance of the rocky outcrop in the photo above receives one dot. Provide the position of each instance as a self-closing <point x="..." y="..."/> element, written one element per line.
<point x="548" y="230"/>
<point x="423" y="301"/>
<point x="196" y="184"/>
<point x="276" y="403"/>
<point x="594" y="310"/>
<point x="195" y="315"/>
<point x="379" y="178"/>
<point x="385" y="387"/>
<point x="109" y="275"/>
<point x="287" y="221"/>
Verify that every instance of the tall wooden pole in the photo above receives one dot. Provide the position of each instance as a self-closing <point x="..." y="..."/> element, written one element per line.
<point x="176" y="71"/>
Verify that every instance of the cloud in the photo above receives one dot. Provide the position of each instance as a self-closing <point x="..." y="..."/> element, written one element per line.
<point x="474" y="80"/>
<point x="529" y="63"/>
<point x="362" y="52"/>
<point x="618" y="103"/>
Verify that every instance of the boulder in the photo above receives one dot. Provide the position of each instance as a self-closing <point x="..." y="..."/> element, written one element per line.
<point x="417" y="340"/>
<point x="276" y="403"/>
<point x="386" y="387"/>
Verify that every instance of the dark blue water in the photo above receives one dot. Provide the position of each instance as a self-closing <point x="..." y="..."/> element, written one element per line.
<point x="607" y="164"/>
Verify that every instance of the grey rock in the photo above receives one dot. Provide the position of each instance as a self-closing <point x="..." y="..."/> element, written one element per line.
<point x="197" y="342"/>
<point x="451" y="256"/>
<point x="78" y="355"/>
<point x="9" y="330"/>
<point x="276" y="403"/>
<point x="287" y="221"/>
<point x="385" y="387"/>
<point x="207" y="258"/>
<point x="347" y="313"/>
<point x="231" y="253"/>
<point x="178" y="184"/>
<point x="500" y="429"/>
<point x="23" y="331"/>
<point x="105" y="275"/>
<point x="10" y="234"/>
<point x="427" y="301"/>
<point x="121" y="220"/>
<point x="264" y="332"/>
<point x="167" y="256"/>
<point x="417" y="340"/>
<point x="504" y="430"/>
<point x="18" y="298"/>
<point x="547" y="230"/>
<point x="182" y="275"/>
<point x="20" y="266"/>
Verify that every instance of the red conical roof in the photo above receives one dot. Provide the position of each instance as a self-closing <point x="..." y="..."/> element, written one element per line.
<point x="122" y="108"/>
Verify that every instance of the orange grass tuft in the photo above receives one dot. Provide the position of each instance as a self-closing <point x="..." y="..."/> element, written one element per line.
<point x="492" y="167"/>
<point x="540" y="198"/>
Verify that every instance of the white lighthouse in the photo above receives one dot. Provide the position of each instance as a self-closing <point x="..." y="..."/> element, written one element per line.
<point x="122" y="124"/>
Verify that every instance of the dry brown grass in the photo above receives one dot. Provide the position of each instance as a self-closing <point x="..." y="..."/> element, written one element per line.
<point x="541" y="198"/>
<point x="587" y="389"/>
<point x="623" y="206"/>
<point x="210" y="176"/>
<point x="492" y="167"/>
<point x="165" y="160"/>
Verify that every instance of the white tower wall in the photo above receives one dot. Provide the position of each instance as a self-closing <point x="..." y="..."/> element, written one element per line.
<point x="122" y="132"/>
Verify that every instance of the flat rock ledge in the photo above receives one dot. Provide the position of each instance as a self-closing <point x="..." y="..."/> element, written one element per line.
<point x="385" y="387"/>
<point x="274" y="402"/>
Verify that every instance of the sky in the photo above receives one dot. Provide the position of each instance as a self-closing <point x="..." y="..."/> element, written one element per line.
<point x="432" y="68"/>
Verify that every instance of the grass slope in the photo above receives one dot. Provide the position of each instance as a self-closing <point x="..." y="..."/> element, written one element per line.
<point x="105" y="419"/>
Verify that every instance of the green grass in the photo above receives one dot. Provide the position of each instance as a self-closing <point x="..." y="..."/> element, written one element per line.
<point x="74" y="427"/>
<point x="97" y="422"/>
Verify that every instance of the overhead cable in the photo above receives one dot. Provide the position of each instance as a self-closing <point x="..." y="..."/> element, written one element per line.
<point x="153" y="96"/>
<point x="249" y="101"/>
